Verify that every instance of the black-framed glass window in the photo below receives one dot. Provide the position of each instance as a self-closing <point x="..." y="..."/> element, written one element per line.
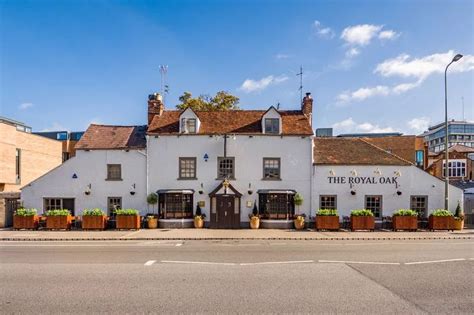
<point x="374" y="203"/>
<point x="175" y="205"/>
<point x="328" y="202"/>
<point x="59" y="203"/>
<point x="272" y="125"/>
<point x="226" y="167"/>
<point x="420" y="205"/>
<point x="271" y="168"/>
<point x="187" y="168"/>
<point x="277" y="206"/>
<point x="113" y="203"/>
<point x="114" y="171"/>
<point x="18" y="165"/>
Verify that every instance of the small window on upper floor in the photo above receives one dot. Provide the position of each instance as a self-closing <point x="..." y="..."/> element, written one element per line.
<point x="188" y="125"/>
<point x="114" y="172"/>
<point x="272" y="125"/>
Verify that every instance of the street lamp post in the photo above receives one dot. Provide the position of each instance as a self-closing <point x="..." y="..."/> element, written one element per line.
<point x="446" y="136"/>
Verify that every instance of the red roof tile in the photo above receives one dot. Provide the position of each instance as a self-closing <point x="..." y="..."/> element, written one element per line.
<point x="112" y="137"/>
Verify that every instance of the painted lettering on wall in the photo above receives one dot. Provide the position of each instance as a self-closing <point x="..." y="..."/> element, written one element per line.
<point x="363" y="180"/>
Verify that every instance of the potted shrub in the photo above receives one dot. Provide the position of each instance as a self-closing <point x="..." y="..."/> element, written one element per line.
<point x="254" y="218"/>
<point x="199" y="218"/>
<point x="25" y="219"/>
<point x="327" y="219"/>
<point x="127" y="219"/>
<point x="441" y="219"/>
<point x="93" y="219"/>
<point x="458" y="218"/>
<point x="405" y="219"/>
<point x="299" y="219"/>
<point x="58" y="219"/>
<point x="362" y="220"/>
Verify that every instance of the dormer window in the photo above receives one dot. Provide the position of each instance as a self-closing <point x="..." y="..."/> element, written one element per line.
<point x="188" y="125"/>
<point x="272" y="125"/>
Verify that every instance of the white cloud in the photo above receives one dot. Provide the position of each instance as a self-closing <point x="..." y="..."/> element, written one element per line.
<point x="363" y="93"/>
<point x="55" y="127"/>
<point x="352" y="52"/>
<point x="350" y="126"/>
<point x="420" y="68"/>
<point x="405" y="87"/>
<point x="419" y="125"/>
<point x="282" y="56"/>
<point x="388" y="34"/>
<point x="250" y="85"/>
<point x="24" y="106"/>
<point x="360" y="35"/>
<point x="321" y="31"/>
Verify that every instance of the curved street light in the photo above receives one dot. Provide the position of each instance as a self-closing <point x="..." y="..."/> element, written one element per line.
<point x="446" y="136"/>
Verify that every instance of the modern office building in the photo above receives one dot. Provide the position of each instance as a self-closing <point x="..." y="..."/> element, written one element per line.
<point x="68" y="139"/>
<point x="460" y="132"/>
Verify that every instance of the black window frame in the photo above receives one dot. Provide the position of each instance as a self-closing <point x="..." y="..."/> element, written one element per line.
<point x="377" y="213"/>
<point x="175" y="205"/>
<point x="268" y="175"/>
<point x="111" y="172"/>
<point x="224" y="176"/>
<point x="415" y="205"/>
<point x="112" y="206"/>
<point x="330" y="199"/>
<point x="276" y="206"/>
<point x="18" y="166"/>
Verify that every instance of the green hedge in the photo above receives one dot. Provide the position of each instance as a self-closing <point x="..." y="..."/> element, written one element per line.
<point x="442" y="213"/>
<point x="405" y="213"/>
<point x="26" y="212"/>
<point x="93" y="212"/>
<point x="59" y="212"/>
<point x="327" y="212"/>
<point x="126" y="212"/>
<point x="362" y="213"/>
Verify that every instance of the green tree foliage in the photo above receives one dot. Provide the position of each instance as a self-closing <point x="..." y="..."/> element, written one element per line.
<point x="220" y="102"/>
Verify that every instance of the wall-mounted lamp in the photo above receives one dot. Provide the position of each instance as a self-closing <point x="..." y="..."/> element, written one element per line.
<point x="399" y="192"/>
<point x="206" y="157"/>
<point x="353" y="192"/>
<point x="250" y="191"/>
<point x="378" y="171"/>
<point x="234" y="137"/>
<point x="132" y="192"/>
<point x="88" y="189"/>
<point x="398" y="173"/>
<point x="354" y="172"/>
<point x="332" y="172"/>
<point x="201" y="191"/>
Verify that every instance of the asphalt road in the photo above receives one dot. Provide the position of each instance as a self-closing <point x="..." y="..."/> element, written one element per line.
<point x="237" y="277"/>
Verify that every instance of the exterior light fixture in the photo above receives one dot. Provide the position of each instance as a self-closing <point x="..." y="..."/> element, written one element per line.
<point x="88" y="189"/>
<point x="397" y="173"/>
<point x="354" y="172"/>
<point x="332" y="172"/>
<point x="226" y="185"/>
<point x="250" y="191"/>
<point x="132" y="192"/>
<point x="378" y="171"/>
<point x="201" y="191"/>
<point x="353" y="192"/>
<point x="399" y="192"/>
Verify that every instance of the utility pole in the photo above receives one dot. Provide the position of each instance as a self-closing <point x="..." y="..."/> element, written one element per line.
<point x="300" y="74"/>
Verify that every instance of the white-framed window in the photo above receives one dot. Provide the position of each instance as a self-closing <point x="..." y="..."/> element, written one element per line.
<point x="272" y="125"/>
<point x="188" y="125"/>
<point x="456" y="168"/>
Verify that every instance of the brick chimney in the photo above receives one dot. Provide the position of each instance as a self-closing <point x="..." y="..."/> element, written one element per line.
<point x="307" y="107"/>
<point x="155" y="106"/>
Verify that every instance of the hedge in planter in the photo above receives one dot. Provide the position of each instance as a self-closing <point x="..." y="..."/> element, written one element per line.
<point x="127" y="219"/>
<point x="93" y="219"/>
<point x="327" y="219"/>
<point x="441" y="220"/>
<point x="405" y="219"/>
<point x="58" y="219"/>
<point x="25" y="219"/>
<point x="362" y="220"/>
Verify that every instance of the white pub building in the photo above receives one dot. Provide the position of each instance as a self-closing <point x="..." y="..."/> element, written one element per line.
<point x="227" y="162"/>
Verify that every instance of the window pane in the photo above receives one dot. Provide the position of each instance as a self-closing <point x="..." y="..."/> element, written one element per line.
<point x="176" y="205"/>
<point x="327" y="202"/>
<point x="374" y="203"/>
<point x="225" y="167"/>
<point x="419" y="204"/>
<point x="271" y="168"/>
<point x="276" y="206"/>
<point x="114" y="171"/>
<point x="272" y="125"/>
<point x="187" y="167"/>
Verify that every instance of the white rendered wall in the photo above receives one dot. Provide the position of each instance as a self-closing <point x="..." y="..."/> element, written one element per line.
<point x="90" y="167"/>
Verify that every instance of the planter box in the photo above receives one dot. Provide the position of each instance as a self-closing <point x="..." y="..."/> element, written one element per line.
<point x="94" y="222"/>
<point x="59" y="222"/>
<point x="128" y="222"/>
<point x="458" y="225"/>
<point x="327" y="222"/>
<point x="28" y="222"/>
<point x="440" y="223"/>
<point x="404" y="223"/>
<point x="362" y="223"/>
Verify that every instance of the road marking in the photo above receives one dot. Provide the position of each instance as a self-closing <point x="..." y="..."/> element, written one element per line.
<point x="150" y="262"/>
<point x="358" y="262"/>
<point x="179" y="244"/>
<point x="196" y="262"/>
<point x="434" y="261"/>
<point x="278" y="262"/>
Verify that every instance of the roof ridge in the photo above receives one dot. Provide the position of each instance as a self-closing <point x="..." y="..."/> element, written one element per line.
<point x="385" y="151"/>
<point x="124" y="126"/>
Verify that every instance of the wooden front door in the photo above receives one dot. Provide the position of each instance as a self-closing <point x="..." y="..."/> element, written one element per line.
<point x="225" y="212"/>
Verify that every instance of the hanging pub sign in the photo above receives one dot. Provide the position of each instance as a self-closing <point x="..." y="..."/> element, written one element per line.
<point x="363" y="180"/>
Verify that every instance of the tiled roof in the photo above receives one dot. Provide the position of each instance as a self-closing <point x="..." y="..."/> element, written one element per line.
<point x="112" y="137"/>
<point x="455" y="148"/>
<point x="231" y="122"/>
<point x="403" y="146"/>
<point x="352" y="151"/>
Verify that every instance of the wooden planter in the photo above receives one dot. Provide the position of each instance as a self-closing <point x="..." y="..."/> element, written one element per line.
<point x="58" y="222"/>
<point x="127" y="222"/>
<point x="254" y="223"/>
<point x="94" y="222"/>
<point x="327" y="222"/>
<point x="29" y="222"/>
<point x="440" y="223"/>
<point x="362" y="223"/>
<point x="404" y="223"/>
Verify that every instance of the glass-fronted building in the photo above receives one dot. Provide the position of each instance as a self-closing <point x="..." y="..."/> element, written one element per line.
<point x="460" y="132"/>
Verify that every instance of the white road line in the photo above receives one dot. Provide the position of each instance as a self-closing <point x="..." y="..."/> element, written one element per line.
<point x="278" y="262"/>
<point x="179" y="244"/>
<point x="471" y="258"/>
<point x="150" y="262"/>
<point x="358" y="262"/>
<point x="433" y="261"/>
<point x="196" y="262"/>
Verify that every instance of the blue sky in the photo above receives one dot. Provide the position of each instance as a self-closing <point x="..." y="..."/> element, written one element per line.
<point x="370" y="65"/>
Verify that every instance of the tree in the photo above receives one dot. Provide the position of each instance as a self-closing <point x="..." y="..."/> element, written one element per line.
<point x="220" y="102"/>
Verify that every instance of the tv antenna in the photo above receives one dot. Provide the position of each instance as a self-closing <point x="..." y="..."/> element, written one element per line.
<point x="300" y="74"/>
<point x="164" y="87"/>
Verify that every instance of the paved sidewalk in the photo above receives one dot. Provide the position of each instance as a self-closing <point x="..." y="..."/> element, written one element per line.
<point x="243" y="234"/>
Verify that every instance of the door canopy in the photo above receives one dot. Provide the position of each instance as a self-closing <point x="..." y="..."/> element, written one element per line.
<point x="225" y="188"/>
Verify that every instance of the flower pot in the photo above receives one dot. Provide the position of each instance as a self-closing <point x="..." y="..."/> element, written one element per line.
<point x="299" y="223"/>
<point x="152" y="223"/>
<point x="404" y="223"/>
<point x="198" y="222"/>
<point x="94" y="222"/>
<point x="254" y="223"/>
<point x="128" y="222"/>
<point x="59" y="222"/>
<point x="440" y="223"/>
<point x="327" y="222"/>
<point x="25" y="222"/>
<point x="458" y="225"/>
<point x="362" y="223"/>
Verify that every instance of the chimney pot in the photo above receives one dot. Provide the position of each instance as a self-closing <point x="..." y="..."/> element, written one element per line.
<point x="155" y="106"/>
<point x="307" y="107"/>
